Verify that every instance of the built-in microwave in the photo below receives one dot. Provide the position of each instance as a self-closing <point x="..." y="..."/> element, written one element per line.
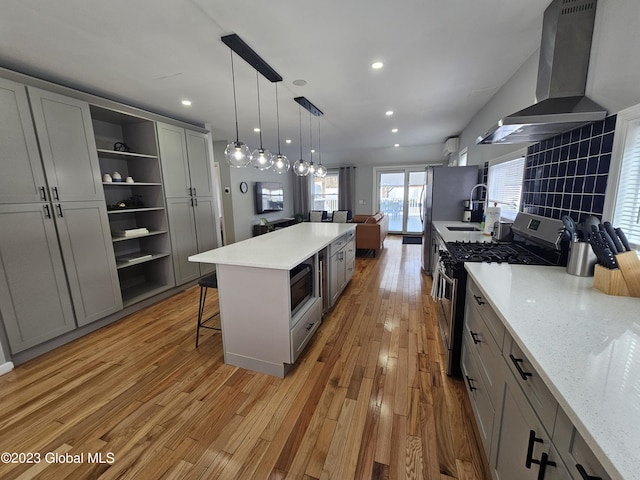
<point x="301" y="286"/>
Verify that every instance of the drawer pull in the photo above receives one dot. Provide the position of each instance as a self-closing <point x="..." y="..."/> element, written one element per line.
<point x="517" y="362"/>
<point x="474" y="336"/>
<point x="583" y="473"/>
<point x="43" y="194"/>
<point x="544" y="462"/>
<point x="310" y="326"/>
<point x="478" y="299"/>
<point x="469" y="380"/>
<point x="532" y="440"/>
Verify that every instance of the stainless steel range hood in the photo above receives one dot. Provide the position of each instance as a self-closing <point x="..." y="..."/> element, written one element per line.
<point x="567" y="31"/>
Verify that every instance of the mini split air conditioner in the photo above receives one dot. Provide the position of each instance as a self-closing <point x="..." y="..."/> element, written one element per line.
<point x="451" y="146"/>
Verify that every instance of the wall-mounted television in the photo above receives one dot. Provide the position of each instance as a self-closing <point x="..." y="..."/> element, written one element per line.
<point x="269" y="197"/>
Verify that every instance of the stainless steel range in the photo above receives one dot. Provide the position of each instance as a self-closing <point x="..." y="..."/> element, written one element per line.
<point x="537" y="241"/>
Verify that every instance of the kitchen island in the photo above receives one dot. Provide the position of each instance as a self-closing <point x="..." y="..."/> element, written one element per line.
<point x="584" y="345"/>
<point x="259" y="331"/>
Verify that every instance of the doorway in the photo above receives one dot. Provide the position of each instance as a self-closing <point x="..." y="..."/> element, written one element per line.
<point x="399" y="196"/>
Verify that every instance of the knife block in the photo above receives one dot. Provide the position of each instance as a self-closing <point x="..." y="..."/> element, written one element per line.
<point x="623" y="281"/>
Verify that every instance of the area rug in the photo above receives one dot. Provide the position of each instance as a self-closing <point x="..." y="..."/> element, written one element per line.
<point x="412" y="239"/>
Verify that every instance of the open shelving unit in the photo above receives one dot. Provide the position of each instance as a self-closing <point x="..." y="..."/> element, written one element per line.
<point x="143" y="261"/>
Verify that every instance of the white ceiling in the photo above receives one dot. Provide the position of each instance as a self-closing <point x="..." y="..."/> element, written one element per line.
<point x="444" y="59"/>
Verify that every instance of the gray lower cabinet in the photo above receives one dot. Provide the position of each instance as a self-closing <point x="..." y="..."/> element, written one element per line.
<point x="34" y="298"/>
<point x="524" y="432"/>
<point x="524" y="450"/>
<point x="341" y="265"/>
<point x="188" y="180"/>
<point x="85" y="240"/>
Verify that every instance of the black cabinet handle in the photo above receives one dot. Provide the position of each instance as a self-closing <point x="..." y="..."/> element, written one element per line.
<point x="478" y="299"/>
<point x="516" y="362"/>
<point x="474" y="336"/>
<point x="59" y="210"/>
<point x="310" y="326"/>
<point x="47" y="213"/>
<point x="55" y="193"/>
<point x="469" y="380"/>
<point x="583" y="473"/>
<point x="532" y="440"/>
<point x="544" y="462"/>
<point x="43" y="193"/>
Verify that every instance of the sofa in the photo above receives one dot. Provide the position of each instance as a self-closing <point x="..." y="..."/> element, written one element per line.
<point x="371" y="230"/>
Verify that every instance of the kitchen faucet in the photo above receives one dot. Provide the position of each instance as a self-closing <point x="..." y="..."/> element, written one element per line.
<point x="471" y="200"/>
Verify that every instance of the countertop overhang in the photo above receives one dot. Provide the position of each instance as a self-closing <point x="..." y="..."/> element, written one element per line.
<point x="282" y="249"/>
<point x="584" y="344"/>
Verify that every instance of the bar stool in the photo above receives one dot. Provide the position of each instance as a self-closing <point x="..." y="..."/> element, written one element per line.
<point x="205" y="283"/>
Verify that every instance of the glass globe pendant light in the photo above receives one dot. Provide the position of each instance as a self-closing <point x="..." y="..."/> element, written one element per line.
<point x="237" y="153"/>
<point x="261" y="158"/>
<point x="301" y="167"/>
<point x="280" y="161"/>
<point x="321" y="170"/>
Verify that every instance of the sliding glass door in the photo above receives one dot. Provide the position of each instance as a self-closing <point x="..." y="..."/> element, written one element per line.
<point x="400" y="197"/>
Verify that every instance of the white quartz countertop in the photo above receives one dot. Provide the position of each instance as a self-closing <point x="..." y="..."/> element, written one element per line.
<point x="458" y="236"/>
<point x="584" y="344"/>
<point x="282" y="249"/>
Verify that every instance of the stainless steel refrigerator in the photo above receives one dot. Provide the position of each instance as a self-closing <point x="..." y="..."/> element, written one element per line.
<point x="445" y="190"/>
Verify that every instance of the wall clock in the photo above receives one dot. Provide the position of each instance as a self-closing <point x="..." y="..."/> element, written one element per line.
<point x="244" y="188"/>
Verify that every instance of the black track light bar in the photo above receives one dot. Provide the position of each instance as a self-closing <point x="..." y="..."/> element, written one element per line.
<point x="235" y="43"/>
<point x="309" y="106"/>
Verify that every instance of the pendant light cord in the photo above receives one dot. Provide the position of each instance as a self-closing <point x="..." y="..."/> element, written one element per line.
<point x="319" y="151"/>
<point x="310" y="139"/>
<point x="259" y="121"/>
<point x="300" y="118"/>
<point x="235" y="105"/>
<point x="278" y="119"/>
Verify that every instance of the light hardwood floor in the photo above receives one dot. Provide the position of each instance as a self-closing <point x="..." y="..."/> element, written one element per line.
<point x="367" y="400"/>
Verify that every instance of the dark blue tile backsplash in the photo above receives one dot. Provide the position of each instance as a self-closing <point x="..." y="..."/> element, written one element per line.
<point x="567" y="174"/>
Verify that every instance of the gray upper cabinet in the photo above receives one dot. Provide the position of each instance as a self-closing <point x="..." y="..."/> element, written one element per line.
<point x="85" y="240"/>
<point x="175" y="166"/>
<point x="21" y="175"/>
<point x="200" y="164"/>
<point x="65" y="134"/>
<point x="34" y="298"/>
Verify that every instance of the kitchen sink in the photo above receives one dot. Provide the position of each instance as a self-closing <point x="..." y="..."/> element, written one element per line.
<point x="463" y="229"/>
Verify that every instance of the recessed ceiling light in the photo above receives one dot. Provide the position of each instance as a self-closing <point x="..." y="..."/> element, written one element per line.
<point x="388" y="113"/>
<point x="288" y="140"/>
<point x="256" y="129"/>
<point x="186" y="103"/>
<point x="396" y="144"/>
<point x="300" y="82"/>
<point x="394" y="130"/>
<point x="377" y="65"/>
<point x="313" y="150"/>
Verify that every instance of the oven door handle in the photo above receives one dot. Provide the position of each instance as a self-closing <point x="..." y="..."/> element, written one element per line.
<point x="445" y="276"/>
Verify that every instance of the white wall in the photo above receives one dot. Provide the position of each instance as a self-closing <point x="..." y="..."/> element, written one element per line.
<point x="614" y="76"/>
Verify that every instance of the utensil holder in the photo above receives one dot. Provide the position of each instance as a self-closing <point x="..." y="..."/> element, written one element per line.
<point x="623" y="281"/>
<point x="582" y="260"/>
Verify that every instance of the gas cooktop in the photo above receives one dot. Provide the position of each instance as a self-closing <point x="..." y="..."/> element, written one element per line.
<point x="494" y="252"/>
